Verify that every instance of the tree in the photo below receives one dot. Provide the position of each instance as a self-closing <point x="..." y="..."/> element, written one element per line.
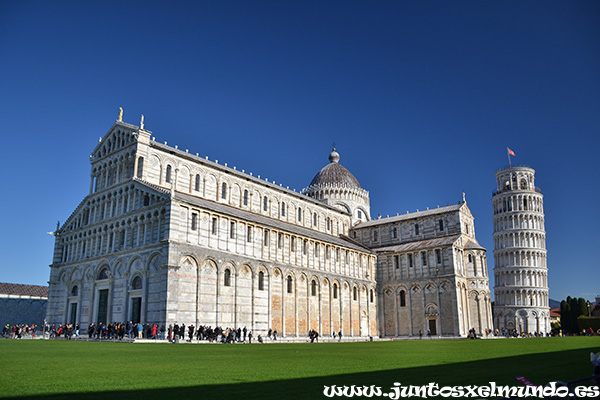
<point x="582" y="308"/>
<point x="565" y="316"/>
<point x="574" y="304"/>
<point x="570" y="310"/>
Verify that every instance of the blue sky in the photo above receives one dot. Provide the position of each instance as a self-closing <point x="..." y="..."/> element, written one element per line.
<point x="421" y="97"/>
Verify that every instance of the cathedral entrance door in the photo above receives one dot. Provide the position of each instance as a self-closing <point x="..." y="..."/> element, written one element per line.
<point x="73" y="313"/>
<point x="102" y="306"/>
<point x="433" y="326"/>
<point x="136" y="309"/>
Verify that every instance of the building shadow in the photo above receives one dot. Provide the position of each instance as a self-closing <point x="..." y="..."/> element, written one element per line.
<point x="539" y="368"/>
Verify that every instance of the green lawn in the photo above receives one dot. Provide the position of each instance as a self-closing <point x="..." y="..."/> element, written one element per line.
<point x="71" y="370"/>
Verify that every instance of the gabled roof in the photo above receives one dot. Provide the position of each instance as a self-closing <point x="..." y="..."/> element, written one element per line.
<point x="269" y="222"/>
<point x="158" y="190"/>
<point x="409" y="216"/>
<point x="110" y="131"/>
<point x="16" y="289"/>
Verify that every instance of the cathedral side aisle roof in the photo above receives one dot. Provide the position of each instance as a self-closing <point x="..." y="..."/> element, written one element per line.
<point x="270" y="222"/>
<point x="473" y="245"/>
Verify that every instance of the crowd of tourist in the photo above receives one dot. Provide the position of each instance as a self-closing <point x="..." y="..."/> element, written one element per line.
<point x="19" y="331"/>
<point x="512" y="333"/>
<point x="177" y="333"/>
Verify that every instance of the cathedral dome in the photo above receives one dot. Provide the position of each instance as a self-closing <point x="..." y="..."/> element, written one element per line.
<point x="334" y="174"/>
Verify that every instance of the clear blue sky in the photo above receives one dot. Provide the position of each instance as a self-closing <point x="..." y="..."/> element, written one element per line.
<point x="421" y="97"/>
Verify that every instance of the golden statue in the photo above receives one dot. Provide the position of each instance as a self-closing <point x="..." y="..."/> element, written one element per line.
<point x="120" y="113"/>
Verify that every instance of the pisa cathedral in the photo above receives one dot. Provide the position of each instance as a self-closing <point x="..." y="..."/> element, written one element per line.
<point x="165" y="236"/>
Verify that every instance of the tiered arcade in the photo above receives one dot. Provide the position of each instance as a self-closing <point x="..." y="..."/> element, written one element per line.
<point x="521" y="289"/>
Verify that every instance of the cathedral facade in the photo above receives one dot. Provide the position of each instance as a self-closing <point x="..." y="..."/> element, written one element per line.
<point x="166" y="236"/>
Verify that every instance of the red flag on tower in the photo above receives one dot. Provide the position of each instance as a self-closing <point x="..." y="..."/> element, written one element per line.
<point x="512" y="153"/>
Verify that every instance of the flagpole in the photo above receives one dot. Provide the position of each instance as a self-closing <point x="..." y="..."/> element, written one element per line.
<point x="508" y="154"/>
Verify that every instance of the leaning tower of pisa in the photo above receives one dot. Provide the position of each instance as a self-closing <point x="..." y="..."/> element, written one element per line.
<point x="520" y="271"/>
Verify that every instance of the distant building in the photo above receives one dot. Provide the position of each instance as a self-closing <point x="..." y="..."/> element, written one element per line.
<point x="166" y="236"/>
<point x="22" y="304"/>
<point x="520" y="270"/>
<point x="555" y="316"/>
<point x="595" y="309"/>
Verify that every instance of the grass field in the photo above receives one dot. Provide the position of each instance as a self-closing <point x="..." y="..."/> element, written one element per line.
<point x="92" y="370"/>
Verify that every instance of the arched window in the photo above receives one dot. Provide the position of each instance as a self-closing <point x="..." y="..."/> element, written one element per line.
<point x="335" y="291"/>
<point x="328" y="223"/>
<point x="282" y="209"/>
<point x="103" y="274"/>
<point x="299" y="214"/>
<point x="402" y="298"/>
<point x="140" y="167"/>
<point x="265" y="203"/>
<point x="227" y="278"/>
<point x="224" y="190"/>
<point x="313" y="288"/>
<point x="75" y="291"/>
<point x="290" y="284"/>
<point x="371" y="293"/>
<point x="315" y="219"/>
<point x="168" y="175"/>
<point x="355" y="293"/>
<point x="261" y="280"/>
<point x="245" y="197"/>
<point x="197" y="183"/>
<point x="470" y="259"/>
<point x="137" y="283"/>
